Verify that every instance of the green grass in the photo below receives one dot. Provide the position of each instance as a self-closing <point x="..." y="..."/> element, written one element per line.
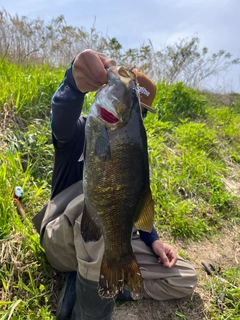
<point x="187" y="171"/>
<point x="225" y="295"/>
<point x="28" y="89"/>
<point x="193" y="146"/>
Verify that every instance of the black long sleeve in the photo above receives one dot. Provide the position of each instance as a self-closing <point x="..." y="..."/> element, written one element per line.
<point x="149" y="237"/>
<point x="67" y="105"/>
<point x="68" y="134"/>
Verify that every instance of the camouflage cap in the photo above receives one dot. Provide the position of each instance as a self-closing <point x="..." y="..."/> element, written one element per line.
<point x="147" y="90"/>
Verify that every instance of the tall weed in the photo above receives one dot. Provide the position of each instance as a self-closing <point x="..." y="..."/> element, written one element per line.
<point x="34" y="143"/>
<point x="28" y="89"/>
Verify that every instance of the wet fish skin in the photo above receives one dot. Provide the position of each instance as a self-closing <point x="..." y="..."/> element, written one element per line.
<point x="116" y="184"/>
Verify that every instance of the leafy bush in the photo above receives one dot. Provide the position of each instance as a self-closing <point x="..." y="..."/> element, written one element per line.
<point x="57" y="43"/>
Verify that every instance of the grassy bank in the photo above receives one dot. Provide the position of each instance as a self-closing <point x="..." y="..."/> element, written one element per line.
<point x="195" y="170"/>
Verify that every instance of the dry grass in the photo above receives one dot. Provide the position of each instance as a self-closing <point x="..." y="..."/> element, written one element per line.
<point x="26" y="273"/>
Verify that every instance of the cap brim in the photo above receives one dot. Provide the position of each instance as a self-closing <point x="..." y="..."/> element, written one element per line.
<point x="150" y="109"/>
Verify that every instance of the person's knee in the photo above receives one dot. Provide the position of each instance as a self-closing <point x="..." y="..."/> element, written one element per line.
<point x="190" y="278"/>
<point x="194" y="278"/>
<point x="171" y="287"/>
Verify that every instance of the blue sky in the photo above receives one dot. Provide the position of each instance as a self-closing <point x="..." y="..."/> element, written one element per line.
<point x="215" y="22"/>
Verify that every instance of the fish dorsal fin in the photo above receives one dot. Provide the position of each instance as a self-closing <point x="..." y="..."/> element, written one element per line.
<point x="146" y="218"/>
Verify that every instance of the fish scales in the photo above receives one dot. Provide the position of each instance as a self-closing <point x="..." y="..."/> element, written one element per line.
<point x="116" y="184"/>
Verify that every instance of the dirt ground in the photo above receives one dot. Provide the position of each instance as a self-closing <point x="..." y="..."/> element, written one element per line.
<point x="222" y="251"/>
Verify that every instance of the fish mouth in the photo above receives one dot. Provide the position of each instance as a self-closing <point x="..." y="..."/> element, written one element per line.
<point x="107" y="116"/>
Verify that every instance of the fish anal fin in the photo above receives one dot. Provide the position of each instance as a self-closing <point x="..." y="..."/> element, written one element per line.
<point x="116" y="275"/>
<point x="146" y="217"/>
<point x="89" y="230"/>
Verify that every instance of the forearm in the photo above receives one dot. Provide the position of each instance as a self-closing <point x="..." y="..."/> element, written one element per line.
<point x="67" y="105"/>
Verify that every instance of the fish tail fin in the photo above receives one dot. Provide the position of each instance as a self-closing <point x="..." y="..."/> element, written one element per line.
<point x="115" y="275"/>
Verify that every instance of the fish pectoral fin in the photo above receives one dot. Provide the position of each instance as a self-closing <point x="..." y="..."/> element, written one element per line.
<point x="146" y="217"/>
<point x="102" y="147"/>
<point x="89" y="230"/>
